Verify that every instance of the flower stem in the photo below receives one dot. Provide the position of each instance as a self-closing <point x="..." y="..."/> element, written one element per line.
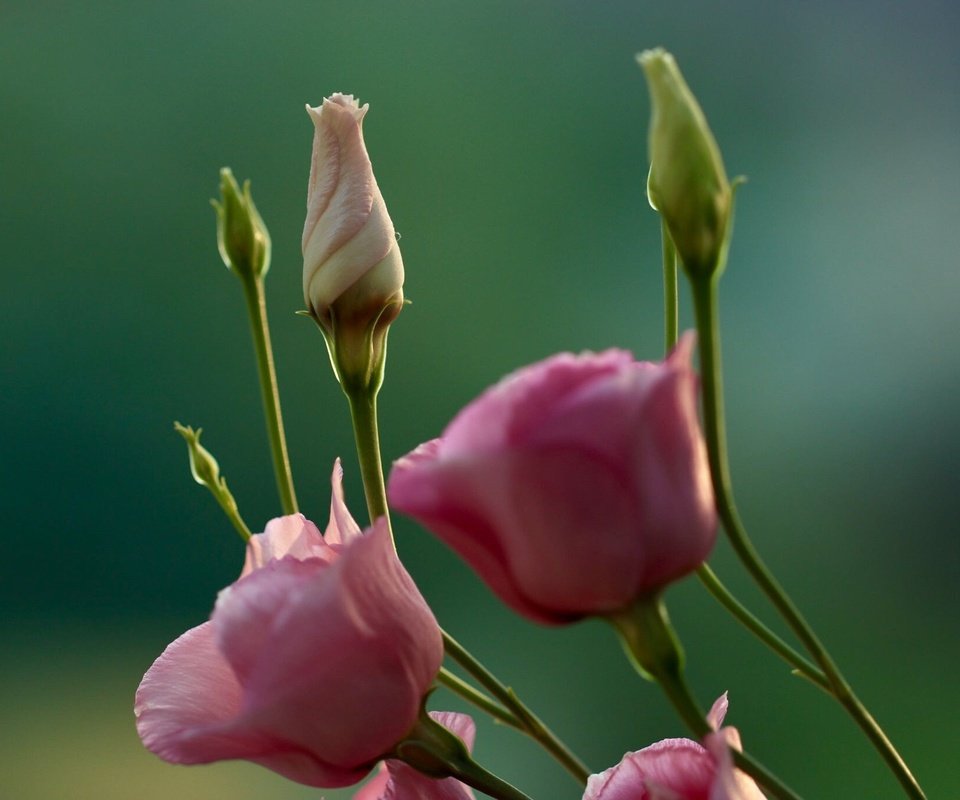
<point x="706" y="306"/>
<point x="671" y="302"/>
<point x="482" y="701"/>
<point x="653" y="647"/>
<point x="800" y="665"/>
<point x="529" y="722"/>
<point x="363" y="414"/>
<point x="257" y="311"/>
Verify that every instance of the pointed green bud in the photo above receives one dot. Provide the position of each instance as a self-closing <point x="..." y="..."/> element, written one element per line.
<point x="203" y="466"/>
<point x="206" y="472"/>
<point x="242" y="238"/>
<point x="687" y="183"/>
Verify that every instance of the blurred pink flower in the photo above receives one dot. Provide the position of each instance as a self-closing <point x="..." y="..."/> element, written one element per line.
<point x="398" y="781"/>
<point x="314" y="663"/>
<point x="573" y="486"/>
<point x="679" y="769"/>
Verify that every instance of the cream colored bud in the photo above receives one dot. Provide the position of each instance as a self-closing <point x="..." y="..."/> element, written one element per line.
<point x="352" y="269"/>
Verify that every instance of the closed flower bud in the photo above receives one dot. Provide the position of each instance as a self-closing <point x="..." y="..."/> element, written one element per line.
<point x="352" y="269"/>
<point x="242" y="238"/>
<point x="687" y="184"/>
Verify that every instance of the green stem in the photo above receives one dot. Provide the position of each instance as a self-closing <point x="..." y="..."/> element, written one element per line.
<point x="257" y="311"/>
<point x="363" y="414"/>
<point x="671" y="301"/>
<point x="800" y="665"/>
<point x="706" y="305"/>
<point x="459" y="686"/>
<point x="529" y="722"/>
<point x="653" y="647"/>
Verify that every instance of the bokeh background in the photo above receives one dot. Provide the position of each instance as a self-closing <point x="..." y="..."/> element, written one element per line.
<point x="509" y="142"/>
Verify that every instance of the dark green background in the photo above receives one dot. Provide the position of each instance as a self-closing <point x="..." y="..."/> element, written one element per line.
<point x="509" y="143"/>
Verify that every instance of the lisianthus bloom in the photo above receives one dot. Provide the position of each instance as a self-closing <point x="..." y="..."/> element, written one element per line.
<point x="679" y="769"/>
<point x="314" y="663"/>
<point x="398" y="781"/>
<point x="352" y="269"/>
<point x="574" y="486"/>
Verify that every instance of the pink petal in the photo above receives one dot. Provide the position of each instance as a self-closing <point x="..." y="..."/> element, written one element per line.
<point x="292" y="535"/>
<point x="350" y="658"/>
<point x="187" y="701"/>
<point x="677" y="767"/>
<point x="718" y="711"/>
<point x="342" y="527"/>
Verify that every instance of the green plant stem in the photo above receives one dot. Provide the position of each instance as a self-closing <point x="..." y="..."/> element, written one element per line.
<point x="800" y="665"/>
<point x="529" y="722"/>
<point x="459" y="686"/>
<point x="671" y="301"/>
<point x="257" y="311"/>
<point x="706" y="306"/>
<point x="363" y="413"/>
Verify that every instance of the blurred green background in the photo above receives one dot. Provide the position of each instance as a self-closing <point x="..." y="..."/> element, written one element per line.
<point x="509" y="142"/>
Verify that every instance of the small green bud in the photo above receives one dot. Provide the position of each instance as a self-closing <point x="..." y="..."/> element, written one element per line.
<point x="687" y="183"/>
<point x="203" y="466"/>
<point x="242" y="238"/>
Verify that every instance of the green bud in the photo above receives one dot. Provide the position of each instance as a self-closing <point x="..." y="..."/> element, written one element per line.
<point x="687" y="183"/>
<point x="203" y="466"/>
<point x="242" y="238"/>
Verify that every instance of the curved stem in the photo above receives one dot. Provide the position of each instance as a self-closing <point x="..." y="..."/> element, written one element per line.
<point x="257" y="311"/>
<point x="800" y="665"/>
<point x="529" y="722"/>
<point x="671" y="302"/>
<point x="706" y="306"/>
<point x="363" y="414"/>
<point x="459" y="686"/>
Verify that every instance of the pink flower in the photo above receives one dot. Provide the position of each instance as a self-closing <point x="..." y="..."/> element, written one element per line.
<point x="314" y="663"/>
<point x="352" y="269"/>
<point x="574" y="486"/>
<point x="398" y="781"/>
<point x="679" y="769"/>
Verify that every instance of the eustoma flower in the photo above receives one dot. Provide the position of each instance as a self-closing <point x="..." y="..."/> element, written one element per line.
<point x="574" y="486"/>
<point x="679" y="769"/>
<point x="313" y="664"/>
<point x="398" y="781"/>
<point x="352" y="269"/>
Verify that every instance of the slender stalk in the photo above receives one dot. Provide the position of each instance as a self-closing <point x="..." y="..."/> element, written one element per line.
<point x="706" y="306"/>
<point x="363" y="412"/>
<point x="257" y="311"/>
<point x="708" y="577"/>
<point x="800" y="665"/>
<point x="671" y="303"/>
<point x="459" y="686"/>
<point x="530" y="722"/>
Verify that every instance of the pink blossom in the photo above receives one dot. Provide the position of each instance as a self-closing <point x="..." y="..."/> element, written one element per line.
<point x="398" y="781"/>
<point x="314" y="662"/>
<point x="679" y="769"/>
<point x="573" y="486"/>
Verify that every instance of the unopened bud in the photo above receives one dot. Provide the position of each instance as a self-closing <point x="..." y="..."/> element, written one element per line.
<point x="352" y="269"/>
<point x="687" y="184"/>
<point x="242" y="238"/>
